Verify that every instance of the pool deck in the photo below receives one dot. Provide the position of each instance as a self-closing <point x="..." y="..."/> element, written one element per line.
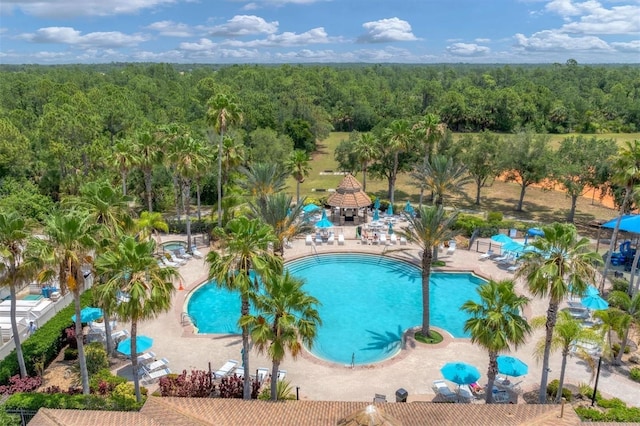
<point x="413" y="369"/>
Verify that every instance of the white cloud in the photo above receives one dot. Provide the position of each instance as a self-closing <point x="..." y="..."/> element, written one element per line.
<point x="631" y="47"/>
<point x="242" y="25"/>
<point x="171" y="29"/>
<point x="71" y="8"/>
<point x="203" y="44"/>
<point x="250" y="6"/>
<point x="257" y="3"/>
<point x="168" y="56"/>
<point x="387" y="30"/>
<point x="555" y="41"/>
<point x="483" y="40"/>
<point x="467" y="49"/>
<point x="590" y="17"/>
<point x="70" y="36"/>
<point x="313" y="36"/>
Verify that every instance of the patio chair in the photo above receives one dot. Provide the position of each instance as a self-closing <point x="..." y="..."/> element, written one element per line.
<point x="403" y="241"/>
<point x="393" y="239"/>
<point x="262" y="374"/>
<point x="119" y="335"/>
<point x="501" y="397"/>
<point x="176" y="259"/>
<point x="154" y="375"/>
<point x="239" y="372"/>
<point x="452" y="248"/>
<point x="441" y="389"/>
<point x="318" y="239"/>
<point x="155" y="365"/>
<point x="486" y="255"/>
<point x="195" y="252"/>
<point x="383" y="240"/>
<point x="341" y="239"/>
<point x="146" y="358"/>
<point x="182" y="253"/>
<point x="168" y="262"/>
<point x="379" y="398"/>
<point x="225" y="369"/>
<point x="282" y="374"/>
<point x="465" y="393"/>
<point x="308" y="241"/>
<point x="331" y="239"/>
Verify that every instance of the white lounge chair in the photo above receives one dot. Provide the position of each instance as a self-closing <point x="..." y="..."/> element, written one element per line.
<point x="403" y="241"/>
<point x="176" y="259"/>
<point x="262" y="374"/>
<point x="331" y="239"/>
<point x="440" y="388"/>
<point x="393" y="239"/>
<point x="167" y="262"/>
<point x="152" y="376"/>
<point x="225" y="369"/>
<point x="239" y="372"/>
<point x="383" y="240"/>
<point x="195" y="252"/>
<point x="308" y="240"/>
<point x="282" y="374"/>
<point x="486" y="255"/>
<point x="341" y="239"/>
<point x="465" y="393"/>
<point x="452" y="247"/>
<point x="146" y="358"/>
<point x="116" y="336"/>
<point x="182" y="253"/>
<point x="155" y="365"/>
<point x="318" y="239"/>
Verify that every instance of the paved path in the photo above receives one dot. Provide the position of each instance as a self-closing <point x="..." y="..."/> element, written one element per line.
<point x="413" y="369"/>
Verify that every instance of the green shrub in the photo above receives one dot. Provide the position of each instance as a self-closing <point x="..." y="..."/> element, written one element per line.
<point x="104" y="379"/>
<point x="588" y="413"/>
<point x="611" y="403"/>
<point x="552" y="390"/>
<point x="9" y="419"/>
<point x="615" y="348"/>
<point x="123" y="397"/>
<point x="70" y="354"/>
<point x="466" y="224"/>
<point x="96" y="357"/>
<point x="587" y="392"/>
<point x="45" y="344"/>
<point x="35" y="401"/>
<point x="494" y="217"/>
<point x="620" y="284"/>
<point x="634" y="374"/>
<point x="623" y="414"/>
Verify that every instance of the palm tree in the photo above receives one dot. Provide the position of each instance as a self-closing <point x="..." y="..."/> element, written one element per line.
<point x="298" y="165"/>
<point x="366" y="150"/>
<point x="124" y="159"/>
<point x="429" y="130"/>
<point x="566" y="333"/>
<point x="631" y="306"/>
<point x="276" y="211"/>
<point x="287" y="318"/>
<point x="496" y="324"/>
<point x="147" y="153"/>
<point x="263" y="179"/>
<point x="14" y="271"/>
<point x="133" y="270"/>
<point x="66" y="252"/>
<point x="148" y="225"/>
<point x="399" y="138"/>
<point x="245" y="257"/>
<point x="187" y="157"/>
<point x="561" y="261"/>
<point x="611" y="320"/>
<point x="431" y="227"/>
<point x="442" y="177"/>
<point x="626" y="172"/>
<point x="233" y="156"/>
<point x="222" y="112"/>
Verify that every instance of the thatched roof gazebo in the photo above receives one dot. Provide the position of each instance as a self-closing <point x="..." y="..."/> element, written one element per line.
<point x="349" y="198"/>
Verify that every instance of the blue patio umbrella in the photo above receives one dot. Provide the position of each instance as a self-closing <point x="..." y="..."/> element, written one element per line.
<point x="376" y="204"/>
<point x="390" y="210"/>
<point x="513" y="246"/>
<point x="88" y="314"/>
<point x="501" y="238"/>
<point x="143" y="344"/>
<point x="324" y="222"/>
<point x="376" y="215"/>
<point x="511" y="366"/>
<point x="309" y="208"/>
<point x="408" y="208"/>
<point x="591" y="291"/>
<point x="460" y="373"/>
<point x="595" y="303"/>
<point x="390" y="228"/>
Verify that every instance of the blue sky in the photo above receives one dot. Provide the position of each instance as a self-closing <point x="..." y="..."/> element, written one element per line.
<point x="325" y="31"/>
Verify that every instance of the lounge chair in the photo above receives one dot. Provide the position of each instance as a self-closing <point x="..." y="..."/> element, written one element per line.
<point x="196" y="253"/>
<point x="393" y="239"/>
<point x="308" y="241"/>
<point x="176" y="259"/>
<point x="465" y="393"/>
<point x="167" y="262"/>
<point x="282" y="374"/>
<point x="182" y="253"/>
<point x="239" y="372"/>
<point x="486" y="255"/>
<point x="155" y="365"/>
<point x="341" y="239"/>
<point x="119" y="335"/>
<point x="379" y="398"/>
<point x="506" y="257"/>
<point x="152" y="376"/>
<point x="501" y="397"/>
<point x="383" y="240"/>
<point x="452" y="248"/>
<point x="262" y="374"/>
<point x="331" y="239"/>
<point x="225" y="369"/>
<point x="318" y="239"/>
<point x="161" y="264"/>
<point x="403" y="241"/>
<point x="146" y="358"/>
<point x="441" y="389"/>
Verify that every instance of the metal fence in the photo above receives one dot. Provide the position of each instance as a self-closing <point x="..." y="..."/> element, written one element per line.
<point x="25" y="415"/>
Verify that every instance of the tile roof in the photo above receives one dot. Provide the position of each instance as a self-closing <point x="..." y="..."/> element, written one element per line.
<point x="349" y="195"/>
<point x="232" y="412"/>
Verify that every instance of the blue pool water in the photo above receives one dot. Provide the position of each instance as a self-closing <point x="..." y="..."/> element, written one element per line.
<point x="368" y="301"/>
<point x="173" y="246"/>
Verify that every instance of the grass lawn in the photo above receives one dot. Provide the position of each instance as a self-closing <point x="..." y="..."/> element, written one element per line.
<point x="539" y="205"/>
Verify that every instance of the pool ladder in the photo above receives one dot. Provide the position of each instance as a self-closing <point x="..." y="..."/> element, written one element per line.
<point x="187" y="319"/>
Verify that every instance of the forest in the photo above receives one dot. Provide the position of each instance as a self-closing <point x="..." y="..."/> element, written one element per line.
<point x="61" y="126"/>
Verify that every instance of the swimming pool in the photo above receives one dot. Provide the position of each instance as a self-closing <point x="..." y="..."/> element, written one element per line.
<point x="174" y="245"/>
<point x="368" y="301"/>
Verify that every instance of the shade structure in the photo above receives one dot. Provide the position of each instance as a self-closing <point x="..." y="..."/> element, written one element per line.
<point x="88" y="314"/>
<point x="408" y="208"/>
<point x="390" y="210"/>
<point x="535" y="232"/>
<point x="324" y="222"/>
<point x="511" y="366"/>
<point x="460" y="373"/>
<point x="349" y="195"/>
<point x="369" y="416"/>
<point x="376" y="204"/>
<point x="143" y="344"/>
<point x="596" y="303"/>
<point x="376" y="215"/>
<point x="309" y="208"/>
<point x="513" y="246"/>
<point x="390" y="231"/>
<point x="629" y="223"/>
<point x="501" y="239"/>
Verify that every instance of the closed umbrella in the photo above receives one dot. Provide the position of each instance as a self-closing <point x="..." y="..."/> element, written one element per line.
<point x="595" y="303"/>
<point x="390" y="228"/>
<point x="324" y="222"/>
<point x="143" y="344"/>
<point x="376" y="204"/>
<point x="390" y="210"/>
<point x="310" y="208"/>
<point x="511" y="366"/>
<point x="460" y="373"/>
<point x="408" y="208"/>
<point x="88" y="314"/>
<point x="376" y="215"/>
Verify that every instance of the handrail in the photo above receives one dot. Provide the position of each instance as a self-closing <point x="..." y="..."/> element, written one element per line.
<point x="187" y="319"/>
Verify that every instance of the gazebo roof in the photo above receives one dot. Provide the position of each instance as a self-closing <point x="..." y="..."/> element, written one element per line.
<point x="349" y="195"/>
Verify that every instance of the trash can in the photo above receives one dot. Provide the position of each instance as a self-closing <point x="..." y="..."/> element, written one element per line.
<point x="401" y="395"/>
<point x="46" y="291"/>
